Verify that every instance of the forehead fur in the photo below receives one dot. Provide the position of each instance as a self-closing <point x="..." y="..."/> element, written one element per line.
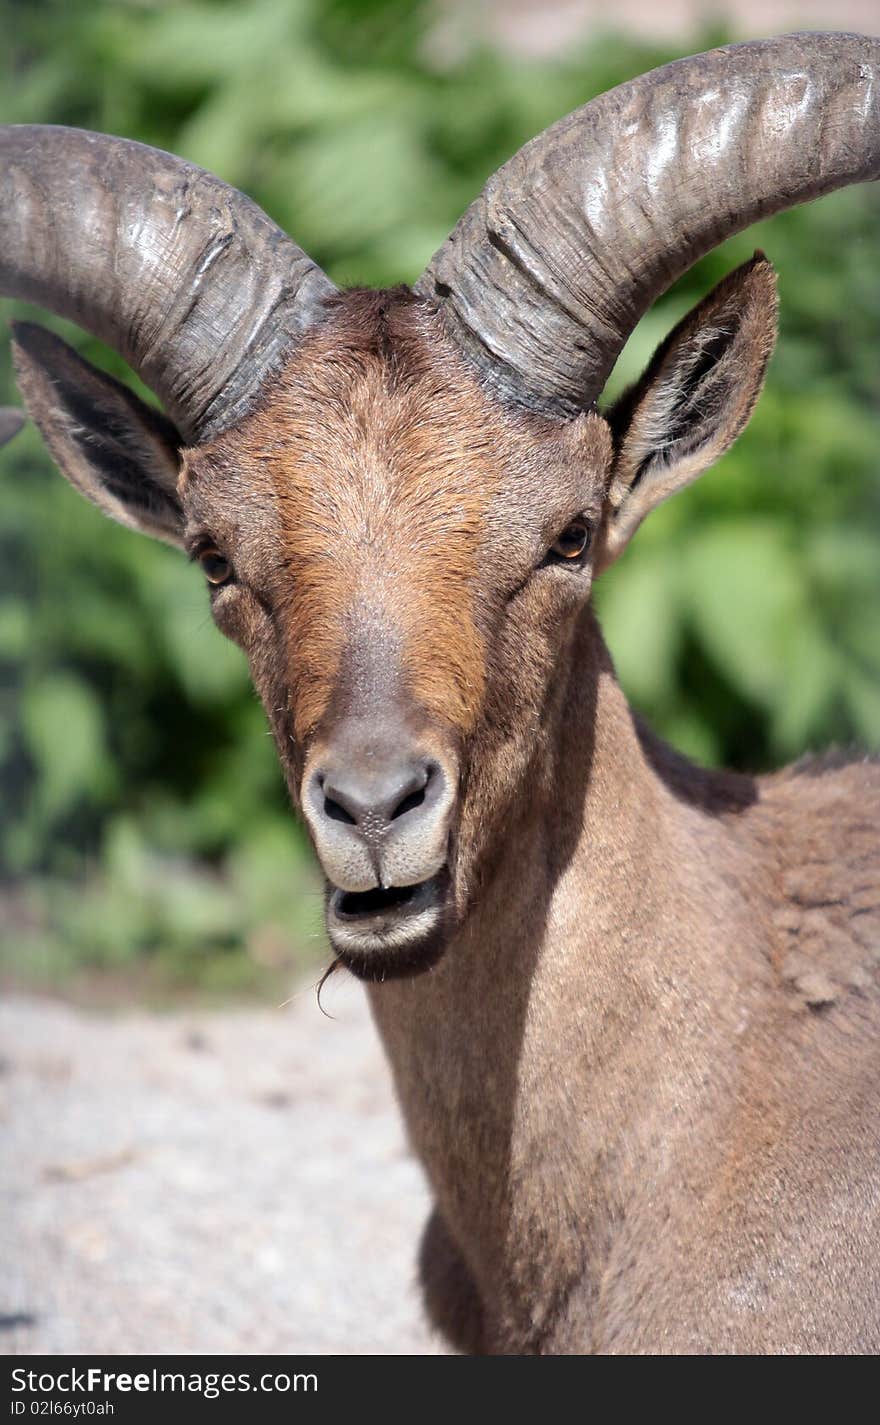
<point x="379" y="472"/>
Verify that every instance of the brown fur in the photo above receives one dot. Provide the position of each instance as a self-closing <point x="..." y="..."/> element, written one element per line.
<point x="385" y="501"/>
<point x="642" y="1078"/>
<point x="380" y="479"/>
<point x="643" y="1085"/>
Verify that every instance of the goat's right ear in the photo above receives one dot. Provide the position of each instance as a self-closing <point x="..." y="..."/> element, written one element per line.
<point x="118" y="452"/>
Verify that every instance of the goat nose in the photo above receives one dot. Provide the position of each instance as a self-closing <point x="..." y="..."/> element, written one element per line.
<point x="378" y="804"/>
<point x="371" y="799"/>
<point x="379" y="814"/>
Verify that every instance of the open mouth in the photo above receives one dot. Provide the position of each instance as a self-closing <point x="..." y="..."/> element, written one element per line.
<point x="383" y="933"/>
<point x="376" y="904"/>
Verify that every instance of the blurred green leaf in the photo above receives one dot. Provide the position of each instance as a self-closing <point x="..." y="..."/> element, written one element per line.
<point x="742" y="591"/>
<point x="63" y="727"/>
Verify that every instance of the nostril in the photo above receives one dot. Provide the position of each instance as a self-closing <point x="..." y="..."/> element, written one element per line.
<point x="333" y="802"/>
<point x="334" y="812"/>
<point x="372" y="798"/>
<point x="409" y="803"/>
<point x="420" y="787"/>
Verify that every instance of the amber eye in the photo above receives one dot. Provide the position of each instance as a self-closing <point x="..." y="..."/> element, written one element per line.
<point x="217" y="569"/>
<point x="572" y="542"/>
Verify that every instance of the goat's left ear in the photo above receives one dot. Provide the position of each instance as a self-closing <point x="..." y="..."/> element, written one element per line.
<point x="693" y="400"/>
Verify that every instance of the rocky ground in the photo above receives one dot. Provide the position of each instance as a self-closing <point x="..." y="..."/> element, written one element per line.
<point x="205" y="1182"/>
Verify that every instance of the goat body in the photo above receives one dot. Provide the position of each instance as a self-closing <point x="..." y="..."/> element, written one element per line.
<point x="644" y="1078"/>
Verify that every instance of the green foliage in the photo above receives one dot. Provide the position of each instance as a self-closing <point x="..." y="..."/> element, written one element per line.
<point x="144" y="816"/>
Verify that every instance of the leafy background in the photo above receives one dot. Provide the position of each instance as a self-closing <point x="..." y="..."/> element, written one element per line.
<point x="145" y="834"/>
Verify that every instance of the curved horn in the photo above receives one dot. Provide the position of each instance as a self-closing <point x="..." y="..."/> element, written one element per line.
<point x="184" y="276"/>
<point x="570" y="242"/>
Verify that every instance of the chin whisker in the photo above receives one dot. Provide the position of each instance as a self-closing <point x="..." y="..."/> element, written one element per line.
<point x="330" y="970"/>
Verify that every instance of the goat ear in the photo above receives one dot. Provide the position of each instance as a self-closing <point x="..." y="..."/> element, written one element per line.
<point x="693" y="400"/>
<point x="117" y="451"/>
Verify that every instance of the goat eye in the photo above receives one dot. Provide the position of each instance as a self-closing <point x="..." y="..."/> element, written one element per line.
<point x="217" y="569"/>
<point x="572" y="542"/>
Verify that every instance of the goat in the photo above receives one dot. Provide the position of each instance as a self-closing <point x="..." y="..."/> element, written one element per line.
<point x="631" y="1005"/>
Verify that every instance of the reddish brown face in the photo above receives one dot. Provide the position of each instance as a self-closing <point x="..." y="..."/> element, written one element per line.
<point x="407" y="562"/>
<point x="401" y="560"/>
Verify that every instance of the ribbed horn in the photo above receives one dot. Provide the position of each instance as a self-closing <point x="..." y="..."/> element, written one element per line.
<point x="547" y="273"/>
<point x="182" y="275"/>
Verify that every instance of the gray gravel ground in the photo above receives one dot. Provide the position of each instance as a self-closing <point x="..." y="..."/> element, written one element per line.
<point x="206" y="1182"/>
